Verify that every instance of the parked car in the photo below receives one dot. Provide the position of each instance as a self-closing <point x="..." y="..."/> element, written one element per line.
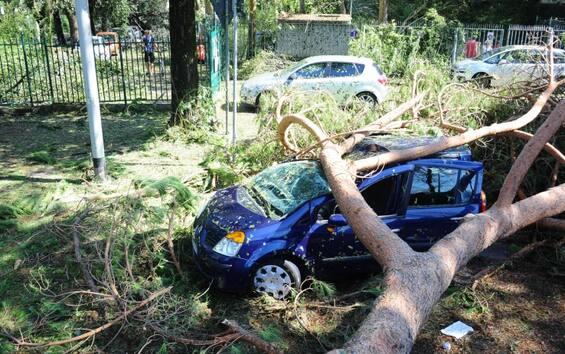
<point x="268" y="234"/>
<point x="344" y="77"/>
<point x="112" y="41"/>
<point x="101" y="50"/>
<point x="510" y="64"/>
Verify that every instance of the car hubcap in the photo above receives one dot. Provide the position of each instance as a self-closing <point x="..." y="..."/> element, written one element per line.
<point x="273" y="280"/>
<point x="367" y="99"/>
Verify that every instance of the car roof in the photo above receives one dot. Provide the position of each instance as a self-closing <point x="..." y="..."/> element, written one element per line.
<point x="377" y="144"/>
<point x="339" y="58"/>
<point x="525" y="46"/>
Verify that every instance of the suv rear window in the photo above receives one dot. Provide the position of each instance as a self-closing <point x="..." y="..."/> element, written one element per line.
<point x="441" y="186"/>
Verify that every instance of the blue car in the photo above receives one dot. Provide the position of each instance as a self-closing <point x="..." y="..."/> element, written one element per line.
<point x="270" y="233"/>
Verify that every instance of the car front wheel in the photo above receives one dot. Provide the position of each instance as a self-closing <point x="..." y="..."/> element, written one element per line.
<point x="277" y="278"/>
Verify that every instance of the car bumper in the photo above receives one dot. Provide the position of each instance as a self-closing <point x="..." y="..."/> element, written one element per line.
<point x="228" y="274"/>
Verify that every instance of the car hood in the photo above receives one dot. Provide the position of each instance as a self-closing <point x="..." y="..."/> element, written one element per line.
<point x="465" y="63"/>
<point x="266" y="79"/>
<point x="233" y="209"/>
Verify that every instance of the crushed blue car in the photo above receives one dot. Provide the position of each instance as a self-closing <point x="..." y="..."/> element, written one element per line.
<point x="270" y="233"/>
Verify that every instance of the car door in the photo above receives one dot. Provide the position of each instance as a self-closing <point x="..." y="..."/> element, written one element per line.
<point x="442" y="192"/>
<point x="334" y="248"/>
<point x="344" y="80"/>
<point x="310" y="77"/>
<point x="514" y="66"/>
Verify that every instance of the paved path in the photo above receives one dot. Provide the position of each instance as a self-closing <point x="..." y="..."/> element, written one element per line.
<point x="246" y="125"/>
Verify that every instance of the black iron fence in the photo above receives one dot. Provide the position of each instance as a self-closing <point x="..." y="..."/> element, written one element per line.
<point x="35" y="72"/>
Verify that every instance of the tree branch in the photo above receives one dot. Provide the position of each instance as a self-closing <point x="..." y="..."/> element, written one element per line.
<point x="529" y="154"/>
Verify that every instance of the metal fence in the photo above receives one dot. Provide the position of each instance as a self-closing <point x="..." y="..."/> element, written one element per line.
<point x="36" y="72"/>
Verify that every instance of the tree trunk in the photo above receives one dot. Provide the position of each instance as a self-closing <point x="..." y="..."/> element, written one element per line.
<point x="73" y="26"/>
<point x="383" y="11"/>
<point x="342" y="7"/>
<point x="415" y="281"/>
<point x="92" y="13"/>
<point x="251" y="29"/>
<point x="58" y="24"/>
<point x="184" y="71"/>
<point x="302" y="9"/>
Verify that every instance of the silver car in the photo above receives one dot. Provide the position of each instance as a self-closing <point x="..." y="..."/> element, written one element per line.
<point x="344" y="77"/>
<point x="510" y="64"/>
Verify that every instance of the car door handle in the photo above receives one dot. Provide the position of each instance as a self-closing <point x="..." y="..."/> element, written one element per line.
<point x="458" y="218"/>
<point x="395" y="230"/>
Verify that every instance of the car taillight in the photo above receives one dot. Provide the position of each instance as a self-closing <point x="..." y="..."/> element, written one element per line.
<point x="483" y="202"/>
<point x="383" y="80"/>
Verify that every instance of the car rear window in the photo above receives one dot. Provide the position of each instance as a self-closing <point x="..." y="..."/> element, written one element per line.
<point x="441" y="186"/>
<point x="378" y="69"/>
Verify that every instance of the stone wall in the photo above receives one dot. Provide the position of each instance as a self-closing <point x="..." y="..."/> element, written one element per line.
<point x="302" y="36"/>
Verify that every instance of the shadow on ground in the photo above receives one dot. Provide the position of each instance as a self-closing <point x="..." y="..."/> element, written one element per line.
<point x="66" y="136"/>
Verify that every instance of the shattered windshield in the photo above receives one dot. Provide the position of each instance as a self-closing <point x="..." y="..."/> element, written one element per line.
<point x="283" y="188"/>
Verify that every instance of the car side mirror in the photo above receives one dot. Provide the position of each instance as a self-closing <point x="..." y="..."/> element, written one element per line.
<point x="337" y="220"/>
<point x="503" y="61"/>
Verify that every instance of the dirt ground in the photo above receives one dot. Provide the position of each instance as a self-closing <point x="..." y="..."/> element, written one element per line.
<point x="518" y="309"/>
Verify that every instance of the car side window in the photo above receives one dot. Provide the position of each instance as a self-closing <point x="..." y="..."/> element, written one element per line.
<point x="441" y="186"/>
<point x="343" y="70"/>
<point x="516" y="56"/>
<point x="382" y="196"/>
<point x="312" y="71"/>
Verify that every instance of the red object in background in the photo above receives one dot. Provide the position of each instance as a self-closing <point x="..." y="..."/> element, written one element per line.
<point x="471" y="48"/>
<point x="201" y="53"/>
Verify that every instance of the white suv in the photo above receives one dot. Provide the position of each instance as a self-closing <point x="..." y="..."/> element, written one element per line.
<point x="511" y="64"/>
<point x="344" y="77"/>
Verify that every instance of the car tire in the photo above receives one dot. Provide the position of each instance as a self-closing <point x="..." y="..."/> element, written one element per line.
<point x="276" y="277"/>
<point x="368" y="98"/>
<point x="483" y="80"/>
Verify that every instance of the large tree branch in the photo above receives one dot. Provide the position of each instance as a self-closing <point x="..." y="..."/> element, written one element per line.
<point x="529" y="154"/>
<point x="458" y="140"/>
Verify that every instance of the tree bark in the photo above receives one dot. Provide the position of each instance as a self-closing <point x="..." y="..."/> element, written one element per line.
<point x="92" y="13"/>
<point x="383" y="11"/>
<point x="73" y="26"/>
<point x="251" y="29"/>
<point x="58" y="24"/>
<point x="342" y="7"/>
<point x="302" y="8"/>
<point x="184" y="72"/>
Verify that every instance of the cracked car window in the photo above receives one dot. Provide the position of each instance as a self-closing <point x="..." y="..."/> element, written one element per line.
<point x="283" y="188"/>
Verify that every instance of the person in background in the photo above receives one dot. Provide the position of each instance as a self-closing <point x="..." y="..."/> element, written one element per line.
<point x="471" y="47"/>
<point x="149" y="48"/>
<point x="496" y="44"/>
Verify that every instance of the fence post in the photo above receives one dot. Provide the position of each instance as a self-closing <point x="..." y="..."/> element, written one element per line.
<point x="51" y="95"/>
<point x="28" y="74"/>
<point x="123" y="78"/>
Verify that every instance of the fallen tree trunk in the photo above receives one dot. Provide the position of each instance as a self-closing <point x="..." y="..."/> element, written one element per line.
<point x="415" y="281"/>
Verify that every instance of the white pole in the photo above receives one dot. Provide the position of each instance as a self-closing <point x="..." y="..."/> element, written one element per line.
<point x="227" y="20"/>
<point x="91" y="89"/>
<point x="234" y="10"/>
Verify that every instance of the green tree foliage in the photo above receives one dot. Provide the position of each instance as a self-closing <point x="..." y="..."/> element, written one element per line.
<point x="17" y="19"/>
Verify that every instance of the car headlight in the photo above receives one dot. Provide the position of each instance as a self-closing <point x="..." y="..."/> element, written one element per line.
<point x="230" y="244"/>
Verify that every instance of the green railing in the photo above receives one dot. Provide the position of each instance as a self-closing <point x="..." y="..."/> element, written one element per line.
<point x="35" y="72"/>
